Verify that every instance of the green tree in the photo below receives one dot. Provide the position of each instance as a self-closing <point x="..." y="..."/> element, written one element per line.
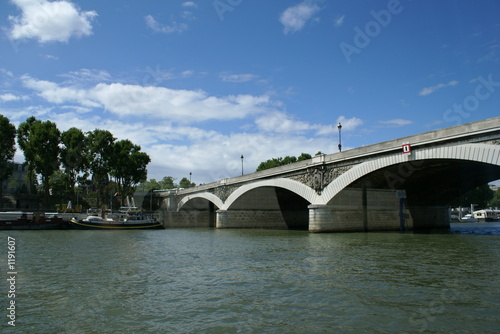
<point x="7" y="150"/>
<point x="167" y="183"/>
<point x="23" y="138"/>
<point x="44" y="141"/>
<point x="276" y="162"/>
<point x="59" y="184"/>
<point x="304" y="156"/>
<point x="495" y="201"/>
<point x="481" y="196"/>
<point x="74" y="158"/>
<point x="99" y="154"/>
<point x="129" y="166"/>
<point x="148" y="186"/>
<point x="185" y="183"/>
<point x="271" y="163"/>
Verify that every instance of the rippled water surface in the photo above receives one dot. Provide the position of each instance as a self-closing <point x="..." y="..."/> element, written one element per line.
<point x="255" y="281"/>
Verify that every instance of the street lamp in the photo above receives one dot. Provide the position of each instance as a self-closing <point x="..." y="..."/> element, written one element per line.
<point x="242" y="164"/>
<point x="340" y="138"/>
<point x="190" y="176"/>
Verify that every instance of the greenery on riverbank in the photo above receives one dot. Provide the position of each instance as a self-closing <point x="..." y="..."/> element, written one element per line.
<point x="72" y="165"/>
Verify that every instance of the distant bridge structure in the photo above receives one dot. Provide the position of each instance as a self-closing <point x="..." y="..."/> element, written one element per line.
<point x="405" y="183"/>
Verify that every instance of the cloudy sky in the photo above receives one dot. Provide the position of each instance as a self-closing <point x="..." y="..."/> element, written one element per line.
<point x="199" y="83"/>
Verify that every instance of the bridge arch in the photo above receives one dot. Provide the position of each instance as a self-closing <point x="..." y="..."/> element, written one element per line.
<point x="482" y="153"/>
<point x="294" y="186"/>
<point x="206" y="195"/>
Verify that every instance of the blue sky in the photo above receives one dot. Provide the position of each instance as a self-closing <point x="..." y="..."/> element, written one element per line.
<point x="199" y="83"/>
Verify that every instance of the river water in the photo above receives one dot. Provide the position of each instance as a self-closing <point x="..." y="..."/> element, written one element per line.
<point x="252" y="281"/>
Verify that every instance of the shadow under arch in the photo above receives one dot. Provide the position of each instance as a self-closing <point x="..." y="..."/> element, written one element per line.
<point x="286" y="200"/>
<point x="216" y="201"/>
<point x="296" y="187"/>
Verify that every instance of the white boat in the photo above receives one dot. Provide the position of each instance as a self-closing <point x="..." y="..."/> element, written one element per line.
<point x="469" y="218"/>
<point x="127" y="218"/>
<point x="486" y="215"/>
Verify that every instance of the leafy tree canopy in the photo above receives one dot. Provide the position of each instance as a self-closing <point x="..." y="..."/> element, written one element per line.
<point x="481" y="196"/>
<point x="7" y="150"/>
<point x="276" y="162"/>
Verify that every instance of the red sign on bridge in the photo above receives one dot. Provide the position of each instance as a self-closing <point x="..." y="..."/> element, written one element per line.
<point x="406" y="148"/>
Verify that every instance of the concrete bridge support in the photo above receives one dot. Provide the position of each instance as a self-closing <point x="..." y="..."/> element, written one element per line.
<point x="264" y="219"/>
<point x="360" y="210"/>
<point x="328" y="218"/>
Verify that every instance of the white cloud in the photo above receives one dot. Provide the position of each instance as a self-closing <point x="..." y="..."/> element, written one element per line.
<point x="339" y="21"/>
<point x="49" y="57"/>
<point x="189" y="4"/>
<point x="176" y="149"/>
<point x="157" y="102"/>
<point x="85" y="76"/>
<point x="163" y="122"/>
<point x="294" y="18"/>
<point x="46" y="21"/>
<point x="53" y="93"/>
<point x="221" y="154"/>
<point x="164" y="29"/>
<point x="349" y="124"/>
<point x="396" y="122"/>
<point x="11" y="97"/>
<point x="237" y="77"/>
<point x="429" y="90"/>
<point x="280" y="122"/>
<point x="6" y="73"/>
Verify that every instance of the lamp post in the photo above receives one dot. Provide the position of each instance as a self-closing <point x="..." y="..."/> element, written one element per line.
<point x="340" y="137"/>
<point x="190" y="176"/>
<point x="242" y="164"/>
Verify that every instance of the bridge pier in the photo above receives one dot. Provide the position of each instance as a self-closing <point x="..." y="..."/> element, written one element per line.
<point x="328" y="218"/>
<point x="266" y="219"/>
<point x="360" y="210"/>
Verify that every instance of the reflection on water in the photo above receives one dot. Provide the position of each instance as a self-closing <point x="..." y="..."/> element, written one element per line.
<point x="255" y="281"/>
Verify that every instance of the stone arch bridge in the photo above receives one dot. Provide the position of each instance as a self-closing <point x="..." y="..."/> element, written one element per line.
<point x="405" y="183"/>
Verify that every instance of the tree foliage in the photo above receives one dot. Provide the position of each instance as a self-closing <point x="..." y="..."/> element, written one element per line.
<point x="185" y="183"/>
<point x="495" y="201"/>
<point x="94" y="160"/>
<point x="40" y="144"/>
<point x="128" y="166"/>
<point x="99" y="155"/>
<point x="23" y="139"/>
<point x="74" y="158"/>
<point x="166" y="183"/>
<point x="44" y="141"/>
<point x="7" y="151"/>
<point x="276" y="162"/>
<point x="481" y="196"/>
